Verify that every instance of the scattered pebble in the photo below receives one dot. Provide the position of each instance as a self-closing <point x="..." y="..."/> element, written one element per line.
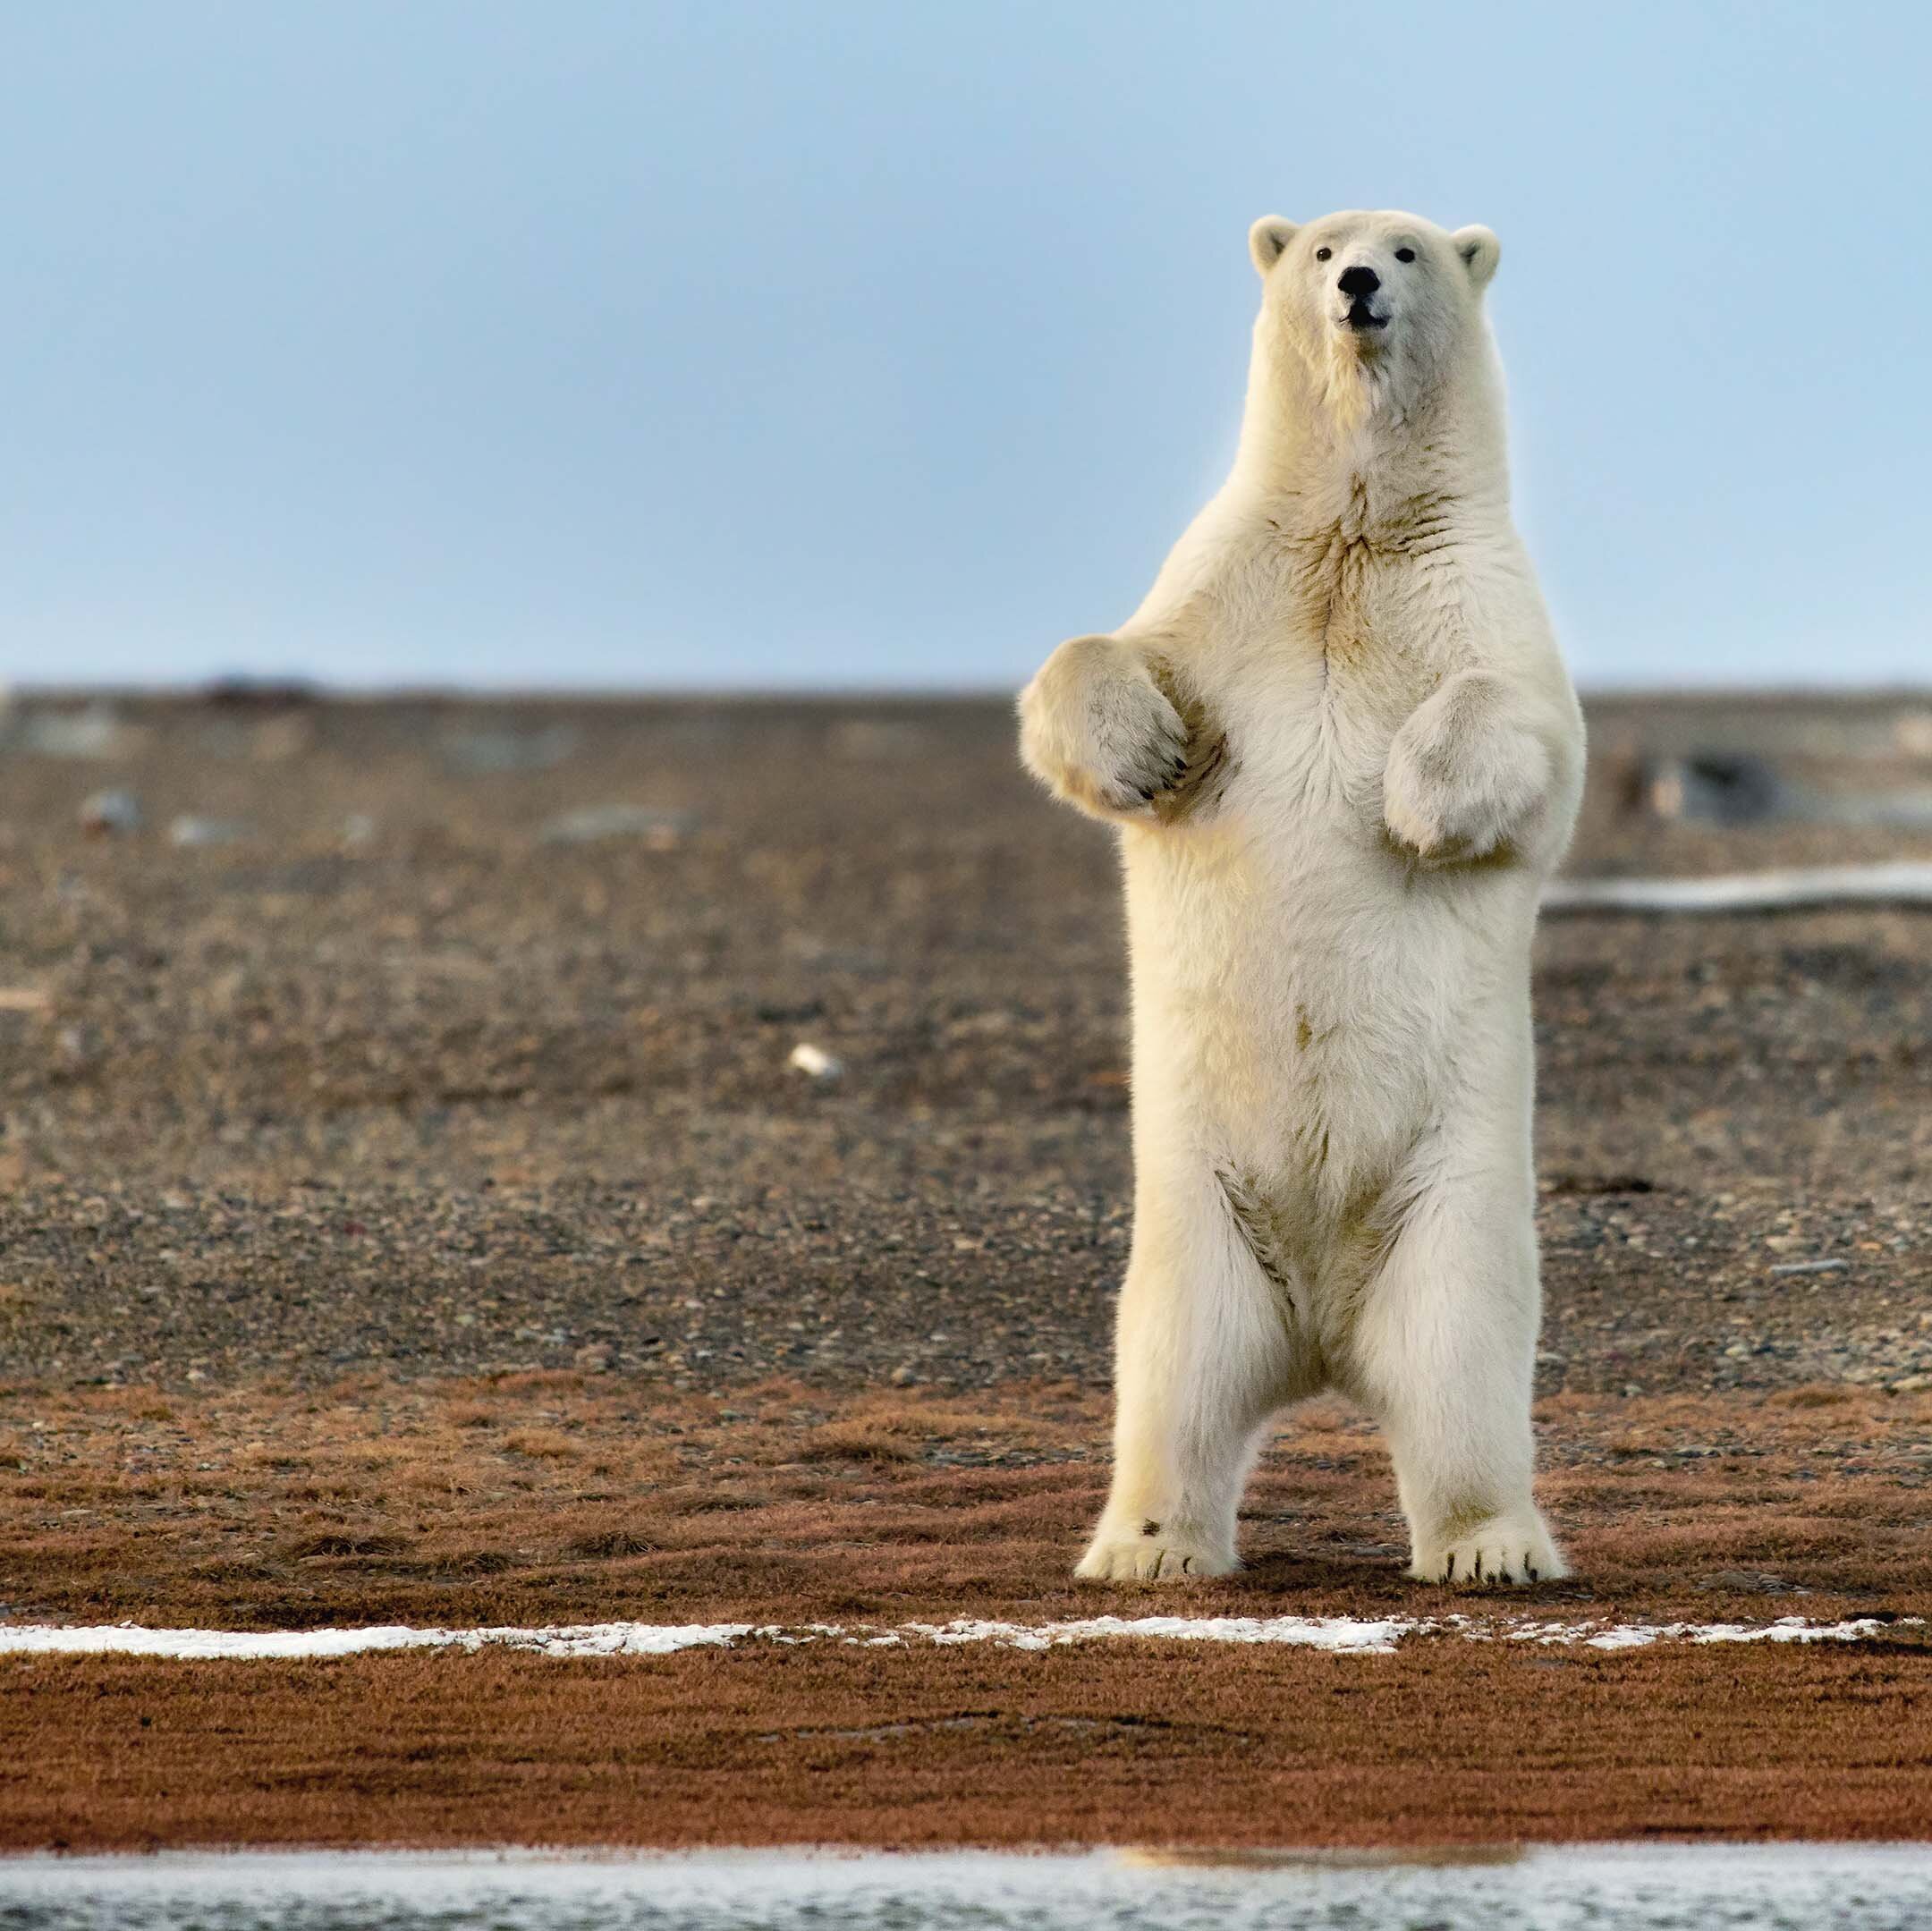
<point x="815" y="1063"/>
<point x="106" y="813"/>
<point x="1812" y="1266"/>
<point x="444" y="1046"/>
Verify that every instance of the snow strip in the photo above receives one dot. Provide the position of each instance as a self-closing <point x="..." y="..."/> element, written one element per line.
<point x="1641" y="1635"/>
<point x="1342" y="1635"/>
<point x="1337" y="1635"/>
<point x="579" y="1639"/>
<point x="1802" y="888"/>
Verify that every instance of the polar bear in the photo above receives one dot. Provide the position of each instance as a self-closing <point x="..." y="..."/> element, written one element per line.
<point x="1343" y="755"/>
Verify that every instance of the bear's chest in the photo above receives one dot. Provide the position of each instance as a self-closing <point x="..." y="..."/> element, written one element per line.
<point x="1308" y="698"/>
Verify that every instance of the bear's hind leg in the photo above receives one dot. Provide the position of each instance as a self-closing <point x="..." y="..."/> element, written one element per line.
<point x="1445" y="1353"/>
<point x="1203" y="1356"/>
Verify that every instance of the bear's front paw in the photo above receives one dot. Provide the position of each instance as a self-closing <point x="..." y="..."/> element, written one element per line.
<point x="1513" y="1548"/>
<point x="1453" y="806"/>
<point x="1153" y="1551"/>
<point x="1097" y="730"/>
<point x="1462" y="781"/>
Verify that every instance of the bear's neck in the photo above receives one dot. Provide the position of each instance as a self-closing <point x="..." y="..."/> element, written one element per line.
<point x="1314" y="437"/>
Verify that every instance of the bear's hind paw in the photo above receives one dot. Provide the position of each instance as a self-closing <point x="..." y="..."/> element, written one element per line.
<point x="1150" y="1555"/>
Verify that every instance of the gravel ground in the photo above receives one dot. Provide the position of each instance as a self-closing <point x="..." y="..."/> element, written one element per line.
<point x="366" y="1050"/>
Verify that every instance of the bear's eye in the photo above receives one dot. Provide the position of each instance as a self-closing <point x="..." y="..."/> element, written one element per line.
<point x="1322" y="254"/>
<point x="1405" y="254"/>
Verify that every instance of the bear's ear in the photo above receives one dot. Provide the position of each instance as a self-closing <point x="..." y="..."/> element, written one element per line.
<point x="1268" y="238"/>
<point x="1480" y="253"/>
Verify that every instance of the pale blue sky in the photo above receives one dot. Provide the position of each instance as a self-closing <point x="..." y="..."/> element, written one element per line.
<point x="886" y="344"/>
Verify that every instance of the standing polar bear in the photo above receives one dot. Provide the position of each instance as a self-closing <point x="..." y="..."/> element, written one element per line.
<point x="1344" y="755"/>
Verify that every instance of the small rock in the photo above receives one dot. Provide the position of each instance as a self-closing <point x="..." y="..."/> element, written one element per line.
<point x="596" y="1359"/>
<point x="902" y="1377"/>
<point x="1810" y="1266"/>
<point x="1910" y="1384"/>
<point x="106" y="813"/>
<point x="815" y="1063"/>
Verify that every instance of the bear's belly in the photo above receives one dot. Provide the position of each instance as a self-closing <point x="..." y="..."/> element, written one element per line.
<point x="1300" y="994"/>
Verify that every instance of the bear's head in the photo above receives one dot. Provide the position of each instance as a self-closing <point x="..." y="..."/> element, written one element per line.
<point x="1372" y="303"/>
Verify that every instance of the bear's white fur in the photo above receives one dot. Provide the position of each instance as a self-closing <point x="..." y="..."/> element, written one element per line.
<point x="1344" y="755"/>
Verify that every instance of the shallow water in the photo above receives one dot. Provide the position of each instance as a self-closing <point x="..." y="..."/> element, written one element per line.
<point x="1614" y="1888"/>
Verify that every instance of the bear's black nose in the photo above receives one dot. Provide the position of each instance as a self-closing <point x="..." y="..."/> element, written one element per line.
<point x="1358" y="281"/>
